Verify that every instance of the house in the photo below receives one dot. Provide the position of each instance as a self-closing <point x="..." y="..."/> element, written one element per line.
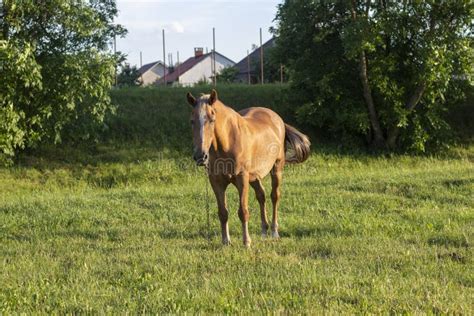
<point x="151" y="73"/>
<point x="197" y="69"/>
<point x="248" y="65"/>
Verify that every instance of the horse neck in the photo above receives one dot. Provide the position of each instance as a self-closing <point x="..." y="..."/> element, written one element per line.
<point x="227" y="122"/>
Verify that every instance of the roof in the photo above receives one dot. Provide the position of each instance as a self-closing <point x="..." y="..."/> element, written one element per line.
<point x="147" y="67"/>
<point x="187" y="65"/>
<point x="242" y="65"/>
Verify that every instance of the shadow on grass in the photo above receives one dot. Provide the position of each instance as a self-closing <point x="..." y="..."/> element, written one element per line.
<point x="133" y="151"/>
<point x="458" y="182"/>
<point x="449" y="241"/>
<point x="315" y="232"/>
<point x="53" y="157"/>
<point x="169" y="233"/>
<point x="453" y="256"/>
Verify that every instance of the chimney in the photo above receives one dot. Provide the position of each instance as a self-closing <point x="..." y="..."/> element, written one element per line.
<point x="198" y="52"/>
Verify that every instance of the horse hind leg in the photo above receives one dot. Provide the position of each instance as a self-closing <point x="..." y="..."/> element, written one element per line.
<point x="276" y="194"/>
<point x="242" y="184"/>
<point x="260" y="195"/>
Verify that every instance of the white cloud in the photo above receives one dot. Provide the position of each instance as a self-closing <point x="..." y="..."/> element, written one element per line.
<point x="176" y="27"/>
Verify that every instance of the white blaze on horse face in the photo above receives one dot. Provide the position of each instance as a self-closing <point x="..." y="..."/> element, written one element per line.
<point x="203" y="133"/>
<point x="202" y="122"/>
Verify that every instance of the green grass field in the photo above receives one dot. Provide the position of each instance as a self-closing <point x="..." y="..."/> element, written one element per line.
<point x="124" y="229"/>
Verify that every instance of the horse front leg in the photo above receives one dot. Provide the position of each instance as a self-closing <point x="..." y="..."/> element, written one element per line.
<point x="219" y="185"/>
<point x="242" y="183"/>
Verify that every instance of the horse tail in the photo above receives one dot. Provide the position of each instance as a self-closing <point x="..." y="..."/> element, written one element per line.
<point x="296" y="145"/>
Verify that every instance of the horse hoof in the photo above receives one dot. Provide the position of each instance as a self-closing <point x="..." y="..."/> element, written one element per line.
<point x="275" y="235"/>
<point x="226" y="242"/>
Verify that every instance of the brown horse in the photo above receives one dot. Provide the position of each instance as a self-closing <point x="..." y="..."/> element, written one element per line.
<point x="242" y="148"/>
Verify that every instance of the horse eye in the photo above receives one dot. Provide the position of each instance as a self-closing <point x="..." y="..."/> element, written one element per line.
<point x="192" y="122"/>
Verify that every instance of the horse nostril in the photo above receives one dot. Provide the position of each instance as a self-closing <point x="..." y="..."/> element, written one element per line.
<point x="205" y="157"/>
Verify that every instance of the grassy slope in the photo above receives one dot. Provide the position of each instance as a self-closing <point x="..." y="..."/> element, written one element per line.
<point x="125" y="228"/>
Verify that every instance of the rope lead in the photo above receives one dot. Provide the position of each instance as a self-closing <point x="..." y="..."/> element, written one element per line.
<point x="207" y="207"/>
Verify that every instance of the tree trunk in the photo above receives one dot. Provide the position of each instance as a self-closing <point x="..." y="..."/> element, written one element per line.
<point x="415" y="98"/>
<point x="378" y="140"/>
<point x="4" y="23"/>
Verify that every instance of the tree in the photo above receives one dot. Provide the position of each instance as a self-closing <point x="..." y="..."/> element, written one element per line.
<point x="383" y="69"/>
<point x="128" y="76"/>
<point x="271" y="67"/>
<point x="227" y="75"/>
<point x="56" y="70"/>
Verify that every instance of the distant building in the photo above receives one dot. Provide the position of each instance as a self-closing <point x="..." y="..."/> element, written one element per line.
<point x="151" y="73"/>
<point x="249" y="66"/>
<point x="196" y="69"/>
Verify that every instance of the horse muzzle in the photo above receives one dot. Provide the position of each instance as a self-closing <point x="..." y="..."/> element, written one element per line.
<point x="201" y="160"/>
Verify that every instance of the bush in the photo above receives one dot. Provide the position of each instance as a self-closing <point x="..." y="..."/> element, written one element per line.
<point x="160" y="115"/>
<point x="380" y="70"/>
<point x="19" y="71"/>
<point x="56" y="75"/>
<point x="460" y="117"/>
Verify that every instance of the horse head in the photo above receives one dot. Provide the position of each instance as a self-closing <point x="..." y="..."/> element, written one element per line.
<point x="203" y="119"/>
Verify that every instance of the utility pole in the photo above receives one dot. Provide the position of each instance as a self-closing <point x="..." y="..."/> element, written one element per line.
<point x="178" y="65"/>
<point x="214" y="54"/>
<point x="141" y="65"/>
<point x="248" y="65"/>
<point x="261" y="56"/>
<point x="164" y="58"/>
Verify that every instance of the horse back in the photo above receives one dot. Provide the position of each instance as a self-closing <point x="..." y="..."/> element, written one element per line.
<point x="264" y="121"/>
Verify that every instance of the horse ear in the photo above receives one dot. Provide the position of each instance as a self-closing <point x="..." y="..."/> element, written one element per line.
<point x="191" y="99"/>
<point x="213" y="97"/>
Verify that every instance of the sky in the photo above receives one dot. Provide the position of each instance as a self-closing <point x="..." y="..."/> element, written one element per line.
<point x="189" y="23"/>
